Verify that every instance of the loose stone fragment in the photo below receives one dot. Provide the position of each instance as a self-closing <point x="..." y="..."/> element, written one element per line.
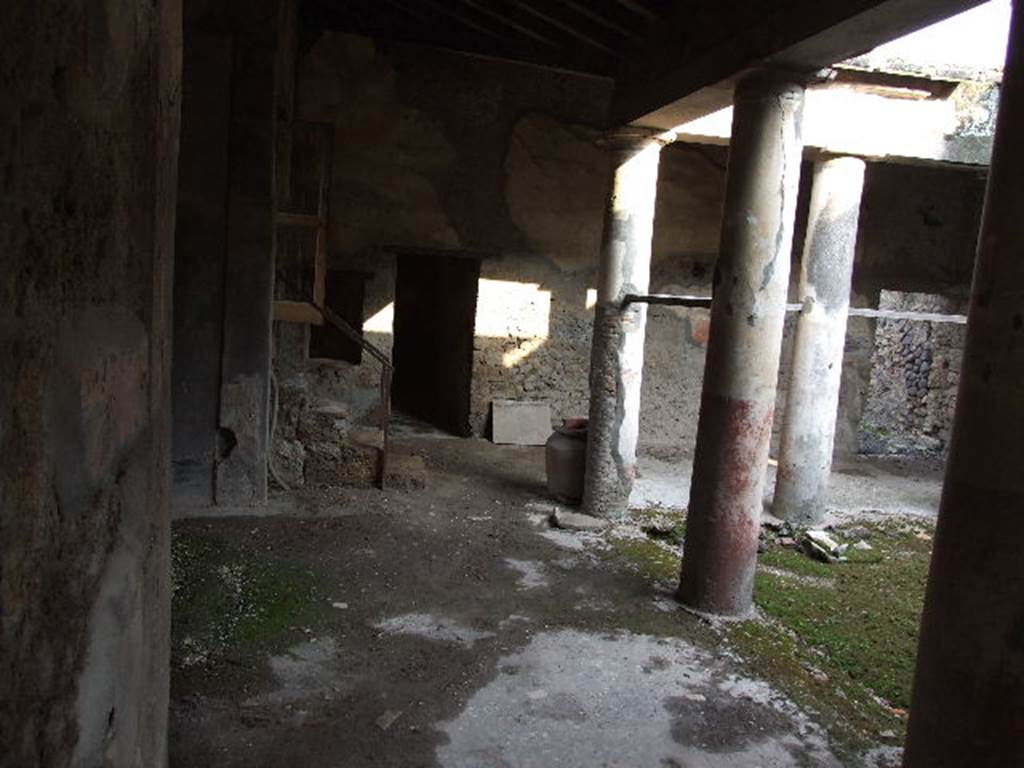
<point x="821" y="546"/>
<point x="575" y="521"/>
<point x="388" y="719"/>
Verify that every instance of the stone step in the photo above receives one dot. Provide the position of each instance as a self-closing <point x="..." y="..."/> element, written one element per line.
<point x="406" y="472"/>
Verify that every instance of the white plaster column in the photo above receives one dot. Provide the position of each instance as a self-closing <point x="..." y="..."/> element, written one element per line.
<point x="742" y="368"/>
<point x="617" y="349"/>
<point x="809" y="421"/>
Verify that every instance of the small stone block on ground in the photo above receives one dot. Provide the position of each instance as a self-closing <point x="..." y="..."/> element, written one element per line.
<point x="520" y="422"/>
<point x="388" y="719"/>
<point x="575" y="521"/>
<point x="821" y="546"/>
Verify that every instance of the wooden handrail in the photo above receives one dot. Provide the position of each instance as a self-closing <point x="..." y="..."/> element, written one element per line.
<point x="342" y="325"/>
<point x="387" y="369"/>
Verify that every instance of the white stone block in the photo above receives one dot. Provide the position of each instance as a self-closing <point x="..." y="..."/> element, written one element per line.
<point x="520" y="422"/>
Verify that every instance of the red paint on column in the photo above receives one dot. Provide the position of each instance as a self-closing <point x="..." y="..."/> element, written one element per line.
<point x="723" y="522"/>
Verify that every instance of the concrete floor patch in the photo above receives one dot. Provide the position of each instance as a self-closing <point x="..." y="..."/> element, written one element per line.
<point x="625" y="699"/>
<point x="437" y="628"/>
<point x="531" y="573"/>
<point x="305" y="672"/>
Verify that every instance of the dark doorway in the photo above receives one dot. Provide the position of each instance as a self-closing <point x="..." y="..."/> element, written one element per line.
<point x="435" y="314"/>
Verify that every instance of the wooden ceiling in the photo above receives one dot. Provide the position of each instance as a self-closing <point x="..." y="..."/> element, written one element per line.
<point x="589" y="36"/>
<point x="670" y="59"/>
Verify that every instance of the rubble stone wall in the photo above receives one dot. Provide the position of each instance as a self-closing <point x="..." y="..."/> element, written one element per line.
<point x="915" y="372"/>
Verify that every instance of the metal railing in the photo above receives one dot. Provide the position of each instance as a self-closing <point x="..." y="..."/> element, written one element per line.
<point x="387" y="370"/>
<point x="704" y="302"/>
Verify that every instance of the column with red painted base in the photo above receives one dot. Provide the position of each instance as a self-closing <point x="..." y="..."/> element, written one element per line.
<point x="740" y="375"/>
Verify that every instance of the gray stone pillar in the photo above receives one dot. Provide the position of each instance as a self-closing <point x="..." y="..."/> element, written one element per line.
<point x="968" y="701"/>
<point x="617" y="351"/>
<point x="738" y="397"/>
<point x="199" y="262"/>
<point x="244" y="412"/>
<point x="809" y="422"/>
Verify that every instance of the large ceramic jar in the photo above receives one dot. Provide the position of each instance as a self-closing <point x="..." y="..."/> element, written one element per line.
<point x="566" y="460"/>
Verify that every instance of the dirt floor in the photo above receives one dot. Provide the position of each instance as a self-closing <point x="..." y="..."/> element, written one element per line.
<point x="452" y="626"/>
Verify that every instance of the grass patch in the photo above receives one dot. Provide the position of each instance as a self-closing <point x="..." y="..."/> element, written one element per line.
<point x="844" y="647"/>
<point x="840" y="639"/>
<point x="866" y="626"/>
<point x="650" y="542"/>
<point x="874" y="430"/>
<point x="647" y="557"/>
<point x="853" y="717"/>
<point x="796" y="562"/>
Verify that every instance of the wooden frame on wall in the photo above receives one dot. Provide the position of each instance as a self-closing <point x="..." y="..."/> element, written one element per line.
<point x="287" y="218"/>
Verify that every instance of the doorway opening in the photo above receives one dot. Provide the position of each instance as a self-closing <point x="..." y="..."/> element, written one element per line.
<point x="435" y="316"/>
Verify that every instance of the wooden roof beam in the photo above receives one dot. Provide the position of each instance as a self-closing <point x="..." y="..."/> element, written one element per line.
<point x="510" y="23"/>
<point x="602" y="20"/>
<point x="566" y="28"/>
<point x="813" y="35"/>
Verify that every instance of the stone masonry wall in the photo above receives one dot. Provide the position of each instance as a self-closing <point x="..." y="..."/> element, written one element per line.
<point x="914" y="377"/>
<point x="88" y="145"/>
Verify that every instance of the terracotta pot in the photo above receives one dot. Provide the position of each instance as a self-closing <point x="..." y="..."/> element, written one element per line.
<point x="566" y="460"/>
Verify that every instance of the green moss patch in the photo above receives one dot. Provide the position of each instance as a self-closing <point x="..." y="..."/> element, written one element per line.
<point x="857" y="631"/>
<point x="867" y="624"/>
<point x="646" y="557"/>
<point x="839" y="638"/>
<point x="232" y="607"/>
<point x="666" y="525"/>
<point x="649" y="540"/>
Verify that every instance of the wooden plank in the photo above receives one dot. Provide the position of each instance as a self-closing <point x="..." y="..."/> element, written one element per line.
<point x="320" y="268"/>
<point x="320" y="246"/>
<point x="305" y="220"/>
<point x="297" y="312"/>
<point x="603" y="21"/>
<point x="503" y="19"/>
<point x="570" y="30"/>
<point x="460" y="18"/>
<point x="639" y="9"/>
<point x="385" y="423"/>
